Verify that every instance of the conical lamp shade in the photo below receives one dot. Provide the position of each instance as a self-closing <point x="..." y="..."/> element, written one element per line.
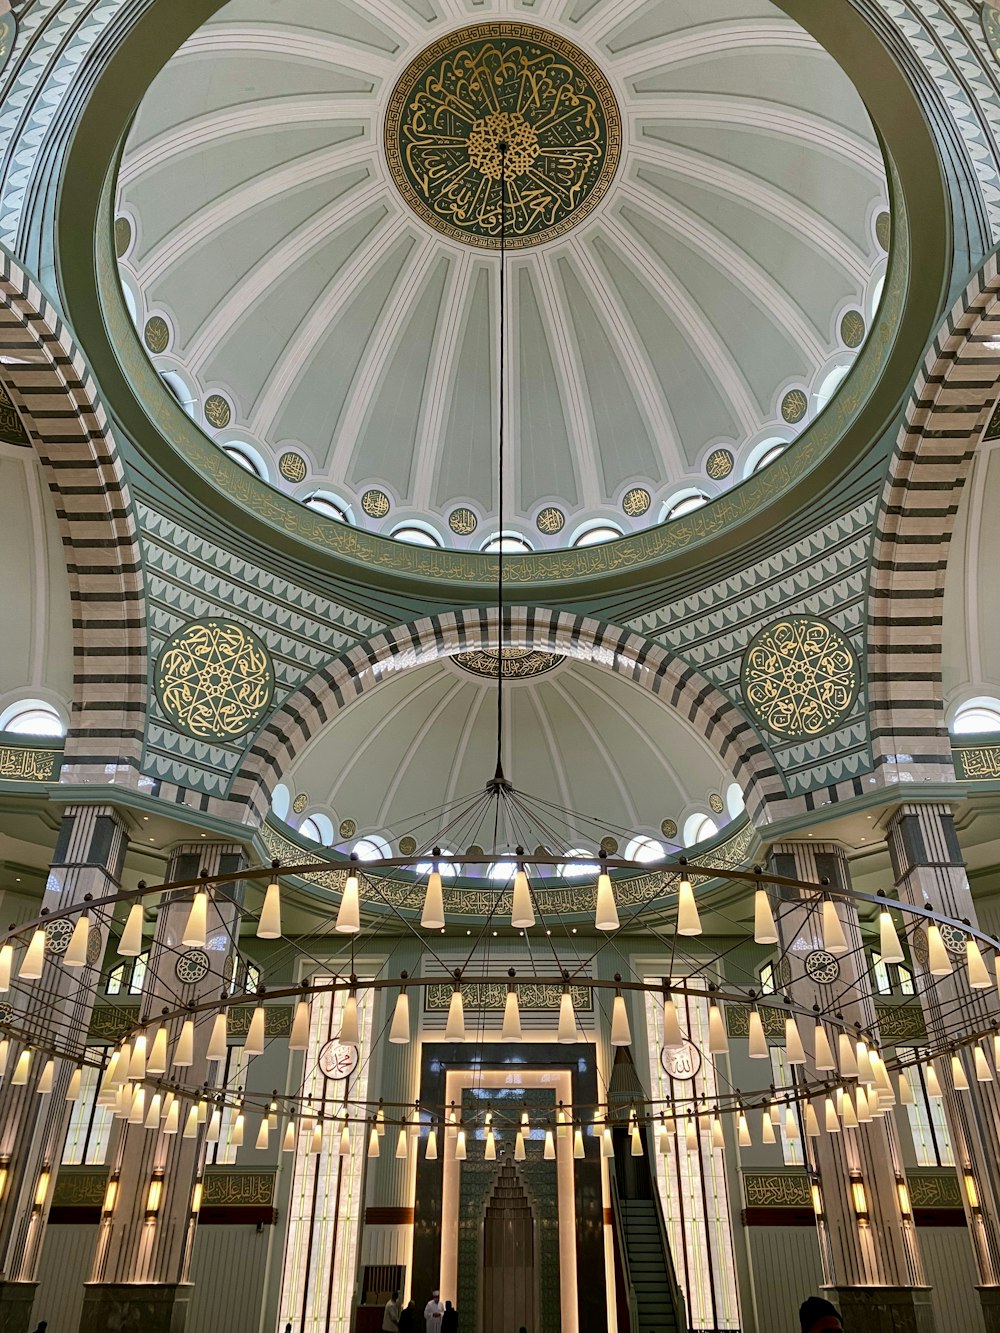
<point x="345" y="1142"/>
<point x="511" y="1030"/>
<point x="217" y="1042"/>
<point x="6" y="965"/>
<point x="567" y="1020"/>
<point x="157" y="1060"/>
<point x="718" y="1138"/>
<point x="460" y="1149"/>
<point x="299" y="1037"/>
<point x="889" y="945"/>
<point x="254" y="1043"/>
<point x="958" y="1075"/>
<point x="316" y="1142"/>
<point x="401" y="1146"/>
<point x="263" y="1134"/>
<point x="522" y="914"/>
<point x="349" y="915"/>
<point x="288" y="1142"/>
<point x="673" y="1037"/>
<point x="47" y="1078"/>
<point x="906" y="1097"/>
<point x="76" y="950"/>
<point x="607" y="1143"/>
<point x="979" y="976"/>
<point x="118" y="1066"/>
<point x="764" y="929"/>
<point x="718" y="1041"/>
<point x="137" y="1065"/>
<point x="490" y="1151"/>
<point x="834" y="939"/>
<point x="864" y="1109"/>
<point x="933" y="1082"/>
<point x="743" y="1132"/>
<point x="791" y="1125"/>
<point x="812" y="1122"/>
<point x="455" y="1029"/>
<point x="269" y="925"/>
<point x="757" y="1044"/>
<point x="191" y="1126"/>
<point x="848" y="1114"/>
<point x="349" y="1032"/>
<point x="238" y="1130"/>
<point x="34" y="958"/>
<point x="688" y="920"/>
<point x="431" y="1151"/>
<point x="620" y="1033"/>
<point x="794" y="1052"/>
<point x="399" y="1030"/>
<point x="196" y="927"/>
<point x="214" y="1131"/>
<point x="184" y="1054"/>
<point x="824" y="1054"/>
<point x="172" y="1122"/>
<point x="137" y="1111"/>
<point x="848" y="1057"/>
<point x="831" y="1118"/>
<point x="866" y="1074"/>
<point x="938" y="961"/>
<point x="432" y="917"/>
<point x="130" y="944"/>
<point x="75" y="1083"/>
<point x="983" y="1072"/>
<point x="606" y="917"/>
<point x="636" y="1141"/>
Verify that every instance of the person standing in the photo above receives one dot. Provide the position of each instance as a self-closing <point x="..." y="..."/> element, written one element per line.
<point x="408" y="1319"/>
<point x="391" y="1313"/>
<point x="449" y="1320"/>
<point x="433" y="1313"/>
<point x="818" y="1316"/>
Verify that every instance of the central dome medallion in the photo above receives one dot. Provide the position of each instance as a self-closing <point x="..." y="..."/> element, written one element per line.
<point x="495" y="83"/>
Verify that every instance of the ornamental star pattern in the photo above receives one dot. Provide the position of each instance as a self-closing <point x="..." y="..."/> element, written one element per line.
<point x="800" y="677"/>
<point x="215" y="680"/>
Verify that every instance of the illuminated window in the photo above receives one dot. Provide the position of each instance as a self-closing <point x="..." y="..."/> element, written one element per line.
<point x="699" y="827"/>
<point x="246" y="977"/>
<point x="763" y="454"/>
<point x="446" y="870"/>
<point x="318" y="828"/>
<point x="644" y="849"/>
<point x="928" y="1126"/>
<point x="683" y="504"/>
<point x="223" y="1153"/>
<point x="248" y="458"/>
<point x="735" y="803"/>
<point x="32" y="717"/>
<point x="596" y="534"/>
<point x="417" y="534"/>
<point x="371" y="848"/>
<point x="693" y="1186"/>
<point x="791" y="1149"/>
<point x="501" y="871"/>
<point x="581" y="870"/>
<point x="89" y="1129"/>
<point x="280" y="800"/>
<point x="892" y="978"/>
<point x="180" y="391"/>
<point x="510" y="543"/>
<point x="769" y="979"/>
<point x="830" y="385"/>
<point x="127" y="977"/>
<point x="976" y="715"/>
<point x="329" y="506"/>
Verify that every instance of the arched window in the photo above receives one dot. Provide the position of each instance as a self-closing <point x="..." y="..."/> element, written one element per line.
<point x="371" y="848"/>
<point x="583" y="868"/>
<point x="510" y="543"/>
<point x="596" y="533"/>
<point x="446" y="869"/>
<point x="830" y="385"/>
<point x="976" y="715"/>
<point x="280" y="800"/>
<point x="329" y="506"/>
<point x="310" y="829"/>
<point x="248" y="458"/>
<point x="127" y="977"/>
<point x="685" y="503"/>
<point x="644" y="849"/>
<point x="501" y="871"/>
<point x="735" y="804"/>
<point x="32" y="717"/>
<point x="699" y="827"/>
<point x="768" y="977"/>
<point x="417" y="534"/>
<point x="178" y="387"/>
<point x="318" y="828"/>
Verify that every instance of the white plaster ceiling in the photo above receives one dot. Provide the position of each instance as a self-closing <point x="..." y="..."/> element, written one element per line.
<point x="296" y="283"/>
<point x="581" y="737"/>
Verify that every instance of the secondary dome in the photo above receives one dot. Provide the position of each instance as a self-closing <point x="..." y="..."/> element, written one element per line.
<point x="307" y="215"/>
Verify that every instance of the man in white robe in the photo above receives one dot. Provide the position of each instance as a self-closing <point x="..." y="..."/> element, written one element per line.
<point x="433" y="1313"/>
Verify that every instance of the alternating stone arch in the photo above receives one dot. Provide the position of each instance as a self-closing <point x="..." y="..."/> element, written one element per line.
<point x="649" y="665"/>
<point x="48" y="382"/>
<point x="950" y="408"/>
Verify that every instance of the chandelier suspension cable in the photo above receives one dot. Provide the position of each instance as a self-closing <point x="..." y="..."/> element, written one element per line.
<point x="499" y="778"/>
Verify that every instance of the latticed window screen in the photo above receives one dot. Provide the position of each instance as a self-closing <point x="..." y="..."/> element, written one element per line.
<point x="928" y="1126"/>
<point x="89" y="1130"/>
<point x="379" y="1281"/>
<point x="693" y="1185"/>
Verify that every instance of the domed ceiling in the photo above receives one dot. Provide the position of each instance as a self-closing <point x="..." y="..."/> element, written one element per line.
<point x="307" y="224"/>
<point x="577" y="735"/>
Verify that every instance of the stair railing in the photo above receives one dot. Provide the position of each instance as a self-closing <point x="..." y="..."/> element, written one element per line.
<point x="622" y="1271"/>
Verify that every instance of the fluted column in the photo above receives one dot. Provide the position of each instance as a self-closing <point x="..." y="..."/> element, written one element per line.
<point x="930" y="872"/>
<point x="87" y="862"/>
<point x="872" y="1264"/>
<point x="142" y="1262"/>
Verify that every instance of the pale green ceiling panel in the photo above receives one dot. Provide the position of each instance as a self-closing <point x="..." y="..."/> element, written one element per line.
<point x="698" y="406"/>
<point x="252" y="347"/>
<point x="468" y="456"/>
<point x="386" y="445"/>
<point x="656" y="20"/>
<point x="354" y="21"/>
<point x="311" y="416"/>
<point x="625" y="447"/>
<point x="548" y="458"/>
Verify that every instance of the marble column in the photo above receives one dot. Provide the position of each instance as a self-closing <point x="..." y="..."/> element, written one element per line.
<point x="87" y="863"/>
<point x="929" y="871"/>
<point x="872" y="1264"/>
<point x="140" y="1276"/>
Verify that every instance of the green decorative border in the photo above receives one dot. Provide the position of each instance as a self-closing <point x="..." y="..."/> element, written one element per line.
<point x="223" y="1187"/>
<point x="484" y="997"/>
<point x="776" y="1189"/>
<point x="977" y="759"/>
<point x="31" y="763"/>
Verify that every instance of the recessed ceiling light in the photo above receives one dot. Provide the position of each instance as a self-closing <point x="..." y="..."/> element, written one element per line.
<point x="146" y="818"/>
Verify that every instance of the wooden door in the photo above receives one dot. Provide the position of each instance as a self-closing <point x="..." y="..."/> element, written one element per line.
<point x="508" y="1285"/>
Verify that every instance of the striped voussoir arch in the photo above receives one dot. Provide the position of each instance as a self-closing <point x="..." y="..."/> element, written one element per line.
<point x="50" y="386"/>
<point x="649" y="665"/>
<point x="949" y="409"/>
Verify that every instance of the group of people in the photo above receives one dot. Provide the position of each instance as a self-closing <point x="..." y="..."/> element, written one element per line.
<point x="438" y="1318"/>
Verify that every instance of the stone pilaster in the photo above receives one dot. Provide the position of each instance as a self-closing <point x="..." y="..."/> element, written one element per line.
<point x="141" y="1267"/>
<point x="87" y="862"/>
<point x="929" y="871"/>
<point x="879" y="1251"/>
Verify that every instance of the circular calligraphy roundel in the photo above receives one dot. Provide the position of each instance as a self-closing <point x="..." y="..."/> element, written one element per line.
<point x="339" y="1059"/>
<point x="214" y="679"/>
<point x="493" y="88"/>
<point x="682" y="1062"/>
<point x="800" y="677"/>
